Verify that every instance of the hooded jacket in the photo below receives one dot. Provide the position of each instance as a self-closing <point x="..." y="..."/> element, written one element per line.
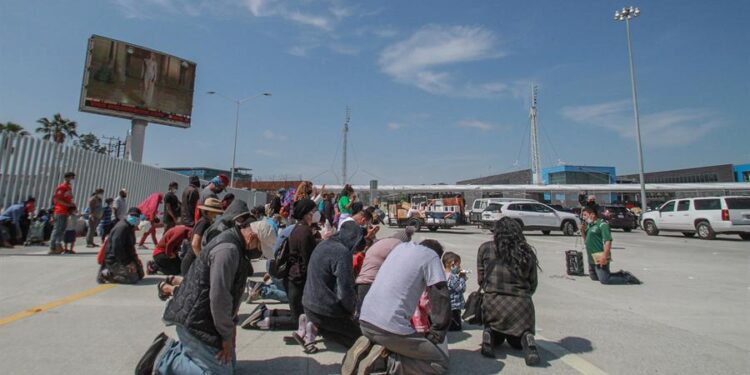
<point x="202" y="302"/>
<point x="329" y="290"/>
<point x="121" y="245"/>
<point x="225" y="221"/>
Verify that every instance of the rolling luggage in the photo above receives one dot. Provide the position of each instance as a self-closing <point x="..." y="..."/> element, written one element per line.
<point x="574" y="262"/>
<point x="36" y="233"/>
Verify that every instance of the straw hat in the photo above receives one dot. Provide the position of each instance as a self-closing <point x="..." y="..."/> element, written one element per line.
<point x="211" y="205"/>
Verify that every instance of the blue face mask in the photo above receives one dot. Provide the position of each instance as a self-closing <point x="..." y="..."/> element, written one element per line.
<point x="133" y="220"/>
<point x="454" y="270"/>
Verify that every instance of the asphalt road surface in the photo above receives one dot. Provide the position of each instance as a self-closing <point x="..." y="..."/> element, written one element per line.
<point x="691" y="315"/>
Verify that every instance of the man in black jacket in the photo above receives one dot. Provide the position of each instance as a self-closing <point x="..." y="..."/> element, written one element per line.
<point x="190" y="198"/>
<point x="329" y="299"/>
<point x="204" y="307"/>
<point x="121" y="263"/>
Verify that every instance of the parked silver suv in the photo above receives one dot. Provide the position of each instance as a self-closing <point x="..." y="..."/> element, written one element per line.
<point x="532" y="216"/>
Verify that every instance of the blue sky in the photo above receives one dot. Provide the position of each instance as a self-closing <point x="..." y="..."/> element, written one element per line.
<point x="438" y="89"/>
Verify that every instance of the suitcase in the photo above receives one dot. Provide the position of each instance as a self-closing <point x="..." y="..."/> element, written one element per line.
<point x="36" y="233"/>
<point x="574" y="262"/>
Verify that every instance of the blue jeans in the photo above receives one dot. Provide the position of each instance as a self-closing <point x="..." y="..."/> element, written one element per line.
<point x="609" y="278"/>
<point x="190" y="356"/>
<point x="58" y="230"/>
<point x="274" y="291"/>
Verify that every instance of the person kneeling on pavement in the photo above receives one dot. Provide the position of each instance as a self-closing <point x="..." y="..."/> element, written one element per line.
<point x="598" y="239"/>
<point x="121" y="263"/>
<point x="329" y="300"/>
<point x="204" y="309"/>
<point x="386" y="311"/>
<point x="166" y="253"/>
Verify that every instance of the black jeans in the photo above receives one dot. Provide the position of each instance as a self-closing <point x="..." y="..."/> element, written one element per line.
<point x="342" y="330"/>
<point x="362" y="290"/>
<point x="294" y="294"/>
<point x="167" y="265"/>
<point x="455" y="321"/>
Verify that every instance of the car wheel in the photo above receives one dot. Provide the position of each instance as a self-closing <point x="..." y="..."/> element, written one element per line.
<point x="546" y="232"/>
<point x="569" y="229"/>
<point x="627" y="230"/>
<point x="415" y="223"/>
<point x="650" y="227"/>
<point x="745" y="236"/>
<point x="705" y="232"/>
<point x="433" y="229"/>
<point x="688" y="234"/>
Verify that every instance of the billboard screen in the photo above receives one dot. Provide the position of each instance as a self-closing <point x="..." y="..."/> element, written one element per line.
<point x="124" y="80"/>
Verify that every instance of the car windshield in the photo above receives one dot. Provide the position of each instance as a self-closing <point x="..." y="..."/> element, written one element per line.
<point x="616" y="209"/>
<point x="738" y="203"/>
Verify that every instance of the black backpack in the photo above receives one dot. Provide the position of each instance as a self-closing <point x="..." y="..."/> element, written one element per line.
<point x="574" y="262"/>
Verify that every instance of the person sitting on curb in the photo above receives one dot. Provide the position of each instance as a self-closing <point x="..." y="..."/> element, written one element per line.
<point x="121" y="263"/>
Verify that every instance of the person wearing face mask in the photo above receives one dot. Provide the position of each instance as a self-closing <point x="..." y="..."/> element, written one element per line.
<point x="598" y="239"/>
<point x="456" y="278"/>
<point x="204" y="308"/>
<point x="96" y="211"/>
<point x="63" y="200"/>
<point x="120" y="206"/>
<point x="212" y="190"/>
<point x="121" y="263"/>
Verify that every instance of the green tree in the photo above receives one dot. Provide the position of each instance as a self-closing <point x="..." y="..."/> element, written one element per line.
<point x="58" y="129"/>
<point x="90" y="142"/>
<point x="12" y="127"/>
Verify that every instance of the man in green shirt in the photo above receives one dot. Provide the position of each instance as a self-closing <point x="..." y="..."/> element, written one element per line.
<point x="598" y="240"/>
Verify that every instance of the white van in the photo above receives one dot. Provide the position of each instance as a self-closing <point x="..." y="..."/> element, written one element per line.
<point x="475" y="214"/>
<point x="706" y="216"/>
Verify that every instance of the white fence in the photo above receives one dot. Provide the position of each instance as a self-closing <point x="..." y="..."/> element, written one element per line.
<point x="32" y="167"/>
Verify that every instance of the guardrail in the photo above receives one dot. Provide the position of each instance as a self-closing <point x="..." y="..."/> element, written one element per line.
<point x="33" y="167"/>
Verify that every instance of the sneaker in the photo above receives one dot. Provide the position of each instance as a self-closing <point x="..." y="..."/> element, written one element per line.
<point x="632" y="279"/>
<point x="146" y="365"/>
<point x="367" y="364"/>
<point x="355" y="354"/>
<point x="253" y="291"/>
<point x="151" y="268"/>
<point x="531" y="354"/>
<point x="487" y="348"/>
<point x="255" y="316"/>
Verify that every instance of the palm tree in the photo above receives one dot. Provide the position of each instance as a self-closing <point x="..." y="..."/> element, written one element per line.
<point x="12" y="127"/>
<point x="59" y="129"/>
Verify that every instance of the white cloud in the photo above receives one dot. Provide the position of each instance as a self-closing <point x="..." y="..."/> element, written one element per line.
<point x="394" y="126"/>
<point x="276" y="8"/>
<point x="476" y="124"/>
<point x="146" y="9"/>
<point x="270" y="135"/>
<point x="343" y="49"/>
<point x="420" y="59"/>
<point x="677" y="127"/>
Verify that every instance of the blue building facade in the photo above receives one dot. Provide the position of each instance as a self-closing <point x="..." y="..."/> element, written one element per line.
<point x="742" y="173"/>
<point x="578" y="174"/>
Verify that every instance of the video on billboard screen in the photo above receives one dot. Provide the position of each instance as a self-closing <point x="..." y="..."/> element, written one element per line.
<point x="125" y="80"/>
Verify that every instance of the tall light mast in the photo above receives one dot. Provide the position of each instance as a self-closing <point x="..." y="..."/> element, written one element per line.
<point x="536" y="160"/>
<point x="346" y="135"/>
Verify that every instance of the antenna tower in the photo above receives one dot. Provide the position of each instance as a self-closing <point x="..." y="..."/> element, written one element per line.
<point x="536" y="160"/>
<point x="346" y="136"/>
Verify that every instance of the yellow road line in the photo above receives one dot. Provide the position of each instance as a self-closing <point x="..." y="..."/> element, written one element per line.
<point x="49" y="306"/>
<point x="579" y="364"/>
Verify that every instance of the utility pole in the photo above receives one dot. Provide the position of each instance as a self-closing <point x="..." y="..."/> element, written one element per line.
<point x="346" y="135"/>
<point x="536" y="163"/>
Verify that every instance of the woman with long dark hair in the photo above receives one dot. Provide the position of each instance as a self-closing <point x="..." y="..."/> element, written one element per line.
<point x="507" y="266"/>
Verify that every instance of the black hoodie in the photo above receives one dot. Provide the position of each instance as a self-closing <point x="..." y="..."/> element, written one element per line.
<point x="329" y="290"/>
<point x="225" y="221"/>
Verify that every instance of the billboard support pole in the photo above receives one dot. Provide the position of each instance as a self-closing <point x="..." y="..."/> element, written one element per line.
<point x="137" y="138"/>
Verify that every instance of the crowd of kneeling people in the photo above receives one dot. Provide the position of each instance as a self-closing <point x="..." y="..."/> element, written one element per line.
<point x="390" y="301"/>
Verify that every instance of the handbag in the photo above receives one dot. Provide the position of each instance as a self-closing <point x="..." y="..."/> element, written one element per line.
<point x="473" y="306"/>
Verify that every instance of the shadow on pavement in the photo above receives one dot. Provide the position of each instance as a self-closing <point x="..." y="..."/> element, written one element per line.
<point x="471" y="362"/>
<point x="454" y="337"/>
<point x="288" y="365"/>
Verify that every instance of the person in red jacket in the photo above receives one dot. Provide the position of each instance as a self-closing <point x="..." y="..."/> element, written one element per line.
<point x="166" y="254"/>
<point x="63" y="200"/>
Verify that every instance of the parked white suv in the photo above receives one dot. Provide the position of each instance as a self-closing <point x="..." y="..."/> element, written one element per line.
<point x="481" y="204"/>
<point x="532" y="216"/>
<point x="707" y="216"/>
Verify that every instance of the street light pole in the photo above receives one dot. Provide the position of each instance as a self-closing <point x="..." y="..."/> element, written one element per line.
<point x="238" y="102"/>
<point x="625" y="14"/>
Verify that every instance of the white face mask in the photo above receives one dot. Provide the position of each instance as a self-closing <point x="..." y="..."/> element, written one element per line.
<point x="316" y="217"/>
<point x="589" y="220"/>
